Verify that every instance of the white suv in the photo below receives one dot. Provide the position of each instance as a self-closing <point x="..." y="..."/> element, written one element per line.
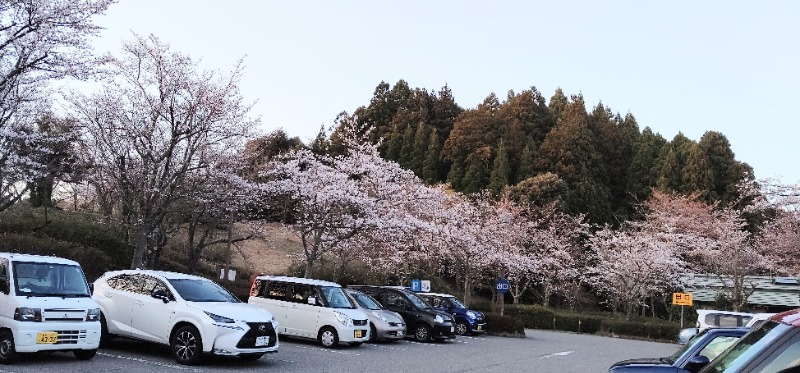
<point x="191" y="314"/>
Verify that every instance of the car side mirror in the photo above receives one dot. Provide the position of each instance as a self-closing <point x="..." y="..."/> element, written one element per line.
<point x="408" y="307"/>
<point x="91" y="289"/>
<point x="696" y="363"/>
<point x="160" y="294"/>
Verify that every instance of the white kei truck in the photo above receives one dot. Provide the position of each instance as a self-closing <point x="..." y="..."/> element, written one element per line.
<point x="46" y="305"/>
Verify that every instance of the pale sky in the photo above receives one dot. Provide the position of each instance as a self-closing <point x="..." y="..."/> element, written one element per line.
<point x="677" y="66"/>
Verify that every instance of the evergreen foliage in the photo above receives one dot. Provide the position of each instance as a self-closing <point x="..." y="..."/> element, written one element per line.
<point x="598" y="163"/>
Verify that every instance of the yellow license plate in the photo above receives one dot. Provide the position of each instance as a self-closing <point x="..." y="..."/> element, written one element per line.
<point x="46" y="337"/>
<point x="479" y="327"/>
<point x="359" y="333"/>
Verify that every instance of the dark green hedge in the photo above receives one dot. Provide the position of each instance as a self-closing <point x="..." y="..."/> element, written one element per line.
<point x="504" y="326"/>
<point x="650" y="329"/>
<point x="538" y="317"/>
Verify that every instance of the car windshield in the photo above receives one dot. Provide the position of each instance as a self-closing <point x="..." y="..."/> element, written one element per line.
<point x="365" y="300"/>
<point x="750" y="345"/>
<point x="335" y="297"/>
<point x="196" y="290"/>
<point x="417" y="301"/>
<point x="35" y="279"/>
<point x="686" y="347"/>
<point x="456" y="303"/>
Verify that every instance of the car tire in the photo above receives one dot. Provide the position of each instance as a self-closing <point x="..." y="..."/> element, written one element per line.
<point x="187" y="346"/>
<point x="105" y="336"/>
<point x="462" y="328"/>
<point x="251" y="357"/>
<point x="8" y="354"/>
<point x="373" y="333"/>
<point x="84" y="354"/>
<point x="328" y="337"/>
<point x="422" y="333"/>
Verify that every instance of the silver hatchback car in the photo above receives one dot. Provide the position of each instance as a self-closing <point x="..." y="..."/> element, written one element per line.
<point x="384" y="324"/>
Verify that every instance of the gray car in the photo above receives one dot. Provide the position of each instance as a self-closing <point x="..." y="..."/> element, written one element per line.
<point x="384" y="324"/>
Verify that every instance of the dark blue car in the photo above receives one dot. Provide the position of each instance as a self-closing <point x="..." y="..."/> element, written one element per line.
<point x="467" y="321"/>
<point x="708" y="343"/>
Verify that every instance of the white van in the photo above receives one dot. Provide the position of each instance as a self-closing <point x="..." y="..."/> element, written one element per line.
<point x="45" y="305"/>
<point x="721" y="319"/>
<point x="309" y="308"/>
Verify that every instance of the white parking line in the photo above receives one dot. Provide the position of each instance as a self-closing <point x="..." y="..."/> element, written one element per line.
<point x="330" y="350"/>
<point x="271" y="359"/>
<point x="425" y="344"/>
<point x="395" y="348"/>
<point x="475" y="338"/>
<point x="563" y="353"/>
<point x="180" y="367"/>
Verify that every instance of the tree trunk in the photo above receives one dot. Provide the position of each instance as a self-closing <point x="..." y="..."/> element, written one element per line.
<point x="141" y="246"/>
<point x="309" y="268"/>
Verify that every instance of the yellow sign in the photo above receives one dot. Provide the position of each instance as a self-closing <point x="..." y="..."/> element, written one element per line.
<point x="681" y="299"/>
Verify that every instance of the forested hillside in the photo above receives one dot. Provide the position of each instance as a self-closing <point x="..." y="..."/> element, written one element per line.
<point x="596" y="162"/>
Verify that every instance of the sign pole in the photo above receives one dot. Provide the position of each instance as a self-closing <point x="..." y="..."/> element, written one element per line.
<point x="682" y="307"/>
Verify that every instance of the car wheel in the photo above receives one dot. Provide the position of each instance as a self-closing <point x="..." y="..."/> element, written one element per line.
<point x="373" y="333"/>
<point x="251" y="357"/>
<point x="84" y="354"/>
<point x="8" y="354"/>
<point x="422" y="333"/>
<point x="186" y="345"/>
<point x="328" y="337"/>
<point x="462" y="328"/>
<point x="105" y="336"/>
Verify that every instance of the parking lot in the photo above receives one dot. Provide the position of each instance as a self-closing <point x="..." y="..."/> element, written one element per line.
<point x="540" y="351"/>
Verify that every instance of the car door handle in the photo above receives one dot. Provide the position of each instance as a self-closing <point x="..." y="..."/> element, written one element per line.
<point x="107" y="294"/>
<point x="138" y="303"/>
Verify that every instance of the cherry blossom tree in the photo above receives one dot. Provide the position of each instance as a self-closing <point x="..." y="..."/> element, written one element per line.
<point x="40" y="40"/>
<point x="780" y="235"/>
<point x="157" y="121"/>
<point x="631" y="266"/>
<point x="328" y="205"/>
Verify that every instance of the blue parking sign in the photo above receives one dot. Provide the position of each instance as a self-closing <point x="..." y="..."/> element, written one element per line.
<point x="416" y="285"/>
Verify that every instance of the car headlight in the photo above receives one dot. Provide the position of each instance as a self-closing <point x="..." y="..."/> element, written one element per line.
<point x="472" y="315"/>
<point x="274" y="323"/>
<point x="344" y="319"/>
<point x="28" y="314"/>
<point x="93" y="314"/>
<point x="438" y="319"/>
<point x="380" y="317"/>
<point x="218" y="318"/>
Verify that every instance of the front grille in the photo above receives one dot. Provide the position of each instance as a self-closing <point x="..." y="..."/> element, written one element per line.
<point x="62" y="314"/>
<point x="359" y="322"/>
<point x="257" y="329"/>
<point x="70" y="337"/>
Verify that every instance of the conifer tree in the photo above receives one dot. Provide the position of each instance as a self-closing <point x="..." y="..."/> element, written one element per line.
<point x="526" y="168"/>
<point x="500" y="171"/>
<point x="407" y="149"/>
<point x="643" y="170"/>
<point x="456" y="175"/>
<point x="697" y="175"/>
<point x="430" y="167"/>
<point x="420" y="149"/>
<point x="475" y="177"/>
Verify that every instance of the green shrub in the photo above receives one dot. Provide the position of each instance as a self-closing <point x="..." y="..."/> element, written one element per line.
<point x="649" y="329"/>
<point x="506" y="326"/>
